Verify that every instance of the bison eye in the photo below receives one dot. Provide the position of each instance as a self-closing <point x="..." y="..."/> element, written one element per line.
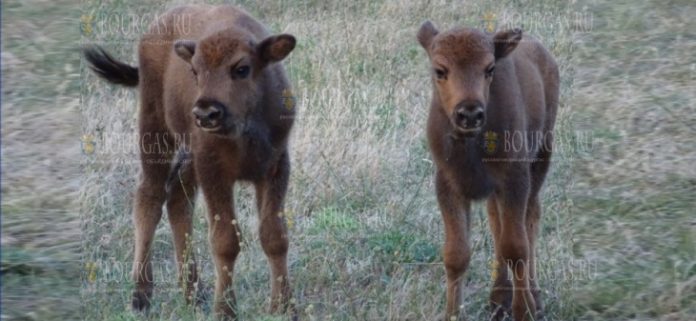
<point x="194" y="71"/>
<point x="241" y="72"/>
<point x="489" y="71"/>
<point x="440" y="73"/>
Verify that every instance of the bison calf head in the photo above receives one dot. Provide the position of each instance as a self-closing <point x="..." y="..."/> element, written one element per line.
<point x="227" y="67"/>
<point x="463" y="61"/>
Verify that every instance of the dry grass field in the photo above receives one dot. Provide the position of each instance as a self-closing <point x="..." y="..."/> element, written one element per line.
<point x="618" y="230"/>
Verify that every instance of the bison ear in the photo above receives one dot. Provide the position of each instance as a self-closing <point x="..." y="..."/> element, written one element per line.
<point x="506" y="41"/>
<point x="275" y="48"/>
<point x="185" y="49"/>
<point x="426" y="33"/>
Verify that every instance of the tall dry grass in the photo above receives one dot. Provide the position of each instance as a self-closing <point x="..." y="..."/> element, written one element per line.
<point x="365" y="228"/>
<point x="616" y="241"/>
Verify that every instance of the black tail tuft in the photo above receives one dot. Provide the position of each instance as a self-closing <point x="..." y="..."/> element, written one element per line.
<point x="107" y="67"/>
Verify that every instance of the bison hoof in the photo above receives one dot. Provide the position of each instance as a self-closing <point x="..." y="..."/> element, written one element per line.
<point x="203" y="299"/>
<point x="141" y="300"/>
<point x="500" y="312"/>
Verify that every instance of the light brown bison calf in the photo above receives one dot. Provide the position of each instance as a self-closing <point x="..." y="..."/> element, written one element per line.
<point x="490" y="133"/>
<point x="217" y="81"/>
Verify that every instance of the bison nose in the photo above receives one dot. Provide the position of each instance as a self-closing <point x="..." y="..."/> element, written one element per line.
<point x="208" y="116"/>
<point x="469" y="116"/>
<point x="208" y="113"/>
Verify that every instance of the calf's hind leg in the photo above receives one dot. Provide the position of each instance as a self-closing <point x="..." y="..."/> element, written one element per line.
<point x="501" y="293"/>
<point x="532" y="220"/>
<point x="181" y="193"/>
<point x="538" y="172"/>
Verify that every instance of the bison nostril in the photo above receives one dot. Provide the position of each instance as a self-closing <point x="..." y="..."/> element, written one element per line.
<point x="469" y="116"/>
<point x="460" y="114"/>
<point x="207" y="113"/>
<point x="214" y="114"/>
<point x="198" y="112"/>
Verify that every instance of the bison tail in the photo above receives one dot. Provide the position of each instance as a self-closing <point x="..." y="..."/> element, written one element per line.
<point x="109" y="68"/>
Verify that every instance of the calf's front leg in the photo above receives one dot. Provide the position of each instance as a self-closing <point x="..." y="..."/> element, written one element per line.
<point x="222" y="234"/>
<point x="456" y="251"/>
<point x="147" y="212"/>
<point x="514" y="245"/>
<point x="270" y="194"/>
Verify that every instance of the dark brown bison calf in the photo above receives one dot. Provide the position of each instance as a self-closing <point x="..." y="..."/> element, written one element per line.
<point x="210" y="75"/>
<point x="490" y="133"/>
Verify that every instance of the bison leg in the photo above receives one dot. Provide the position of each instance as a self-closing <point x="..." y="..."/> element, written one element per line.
<point x="533" y="215"/>
<point x="181" y="193"/>
<point x="222" y="233"/>
<point x="456" y="251"/>
<point x="514" y="244"/>
<point x="538" y="174"/>
<point x="501" y="294"/>
<point x="149" y="198"/>
<point x="270" y="194"/>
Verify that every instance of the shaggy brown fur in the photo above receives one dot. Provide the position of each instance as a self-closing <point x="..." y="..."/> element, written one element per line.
<point x="488" y="91"/>
<point x="217" y="87"/>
